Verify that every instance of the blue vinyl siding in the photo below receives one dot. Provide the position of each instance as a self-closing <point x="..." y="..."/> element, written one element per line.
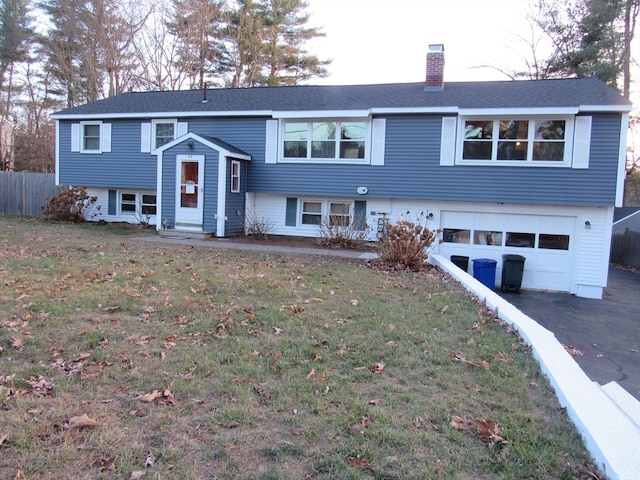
<point x="235" y="203"/>
<point x="124" y="167"/>
<point x="412" y="171"/>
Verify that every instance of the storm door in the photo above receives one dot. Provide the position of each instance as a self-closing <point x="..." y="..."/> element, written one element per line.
<point x="189" y="191"/>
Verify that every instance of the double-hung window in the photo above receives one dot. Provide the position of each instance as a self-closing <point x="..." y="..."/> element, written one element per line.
<point x="330" y="141"/>
<point x="235" y="176"/>
<point x="164" y="131"/>
<point x="334" y="213"/>
<point x="516" y="140"/>
<point x="90" y="137"/>
<point x="133" y="203"/>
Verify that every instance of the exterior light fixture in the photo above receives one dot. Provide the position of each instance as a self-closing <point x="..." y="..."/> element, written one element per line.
<point x="587" y="225"/>
<point x="189" y="146"/>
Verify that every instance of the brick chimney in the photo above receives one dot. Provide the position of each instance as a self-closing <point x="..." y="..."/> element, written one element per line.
<point x="435" y="68"/>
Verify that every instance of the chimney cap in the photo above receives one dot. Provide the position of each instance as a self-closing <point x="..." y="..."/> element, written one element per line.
<point x="436" y="47"/>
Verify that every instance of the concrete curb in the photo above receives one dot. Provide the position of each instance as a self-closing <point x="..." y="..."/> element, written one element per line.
<point x="609" y="432"/>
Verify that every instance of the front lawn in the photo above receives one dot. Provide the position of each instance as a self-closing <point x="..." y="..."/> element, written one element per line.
<point x="123" y="359"/>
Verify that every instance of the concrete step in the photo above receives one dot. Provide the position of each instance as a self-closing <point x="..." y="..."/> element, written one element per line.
<point x="625" y="402"/>
<point x="177" y="233"/>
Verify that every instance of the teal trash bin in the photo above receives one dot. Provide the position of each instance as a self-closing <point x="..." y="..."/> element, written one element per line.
<point x="512" y="269"/>
<point x="484" y="270"/>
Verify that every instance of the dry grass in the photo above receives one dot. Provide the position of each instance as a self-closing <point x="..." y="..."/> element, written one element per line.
<point x="209" y="363"/>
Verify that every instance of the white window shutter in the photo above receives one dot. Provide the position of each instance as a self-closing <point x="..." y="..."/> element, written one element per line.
<point x="145" y="137"/>
<point x="378" y="133"/>
<point x="75" y="137"/>
<point x="581" y="142"/>
<point x="271" y="147"/>
<point x="448" y="141"/>
<point x="105" y="137"/>
<point x="182" y="129"/>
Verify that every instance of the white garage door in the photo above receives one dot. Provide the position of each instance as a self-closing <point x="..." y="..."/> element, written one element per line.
<point x="546" y="242"/>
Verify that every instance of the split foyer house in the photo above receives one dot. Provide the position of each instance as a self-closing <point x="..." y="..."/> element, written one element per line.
<point x="527" y="167"/>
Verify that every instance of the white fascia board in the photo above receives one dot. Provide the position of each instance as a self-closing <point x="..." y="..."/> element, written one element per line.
<point x="204" y="141"/>
<point x="605" y="108"/>
<point x="522" y="112"/>
<point x="152" y="115"/>
<point x="622" y="160"/>
<point x="322" y="114"/>
<point x="410" y="110"/>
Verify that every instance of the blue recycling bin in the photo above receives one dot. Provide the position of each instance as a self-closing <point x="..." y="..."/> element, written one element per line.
<point x="484" y="270"/>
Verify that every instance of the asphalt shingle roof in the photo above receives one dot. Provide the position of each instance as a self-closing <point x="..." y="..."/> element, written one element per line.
<point x="501" y="94"/>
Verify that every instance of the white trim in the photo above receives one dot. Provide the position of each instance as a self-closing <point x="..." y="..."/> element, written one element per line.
<point x="323" y="114"/>
<point x="82" y="137"/>
<point x="57" y="152"/>
<point x="622" y="160"/>
<point x="159" y="174"/>
<point x="518" y="112"/>
<point x="528" y="162"/>
<point x="367" y="139"/>
<point x="232" y="176"/>
<point x="204" y="141"/>
<point x="606" y="108"/>
<point x="153" y="135"/>
<point x="177" y="185"/>
<point x="449" y="109"/>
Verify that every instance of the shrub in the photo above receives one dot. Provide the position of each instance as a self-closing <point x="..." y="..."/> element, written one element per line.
<point x="71" y="204"/>
<point x="258" y="227"/>
<point x="405" y="246"/>
<point x="341" y="232"/>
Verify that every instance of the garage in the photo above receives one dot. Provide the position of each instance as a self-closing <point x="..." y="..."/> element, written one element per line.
<point x="546" y="242"/>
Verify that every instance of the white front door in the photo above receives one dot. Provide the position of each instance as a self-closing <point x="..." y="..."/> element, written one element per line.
<point x="189" y="191"/>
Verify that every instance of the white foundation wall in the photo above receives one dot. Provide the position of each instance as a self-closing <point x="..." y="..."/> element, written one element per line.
<point x="100" y="210"/>
<point x="580" y="270"/>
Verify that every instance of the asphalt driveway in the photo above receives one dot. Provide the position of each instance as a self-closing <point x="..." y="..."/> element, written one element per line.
<point x="604" y="333"/>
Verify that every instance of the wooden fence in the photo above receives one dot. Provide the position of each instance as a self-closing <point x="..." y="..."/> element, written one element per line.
<point x="625" y="248"/>
<point x="24" y="193"/>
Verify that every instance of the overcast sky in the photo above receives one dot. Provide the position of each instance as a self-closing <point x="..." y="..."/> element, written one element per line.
<point x="386" y="41"/>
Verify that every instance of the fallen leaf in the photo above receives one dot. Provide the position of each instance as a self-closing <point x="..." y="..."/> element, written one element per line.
<point x="3" y="438"/>
<point x="503" y="357"/>
<point x="311" y="373"/>
<point x="488" y="430"/>
<point x="150" y="397"/>
<point x="17" y="342"/>
<point x="137" y="475"/>
<point x="378" y="367"/>
<point x="360" y="462"/>
<point x="296" y="431"/>
<point x="573" y="350"/>
<point x="20" y="476"/>
<point x="232" y="424"/>
<point x="104" y="464"/>
<point x="460" y="423"/>
<point x="354" y="302"/>
<point x="277" y="331"/>
<point x="82" y="421"/>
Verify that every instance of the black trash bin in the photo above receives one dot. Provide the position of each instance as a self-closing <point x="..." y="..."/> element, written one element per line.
<point x="460" y="261"/>
<point x="512" y="268"/>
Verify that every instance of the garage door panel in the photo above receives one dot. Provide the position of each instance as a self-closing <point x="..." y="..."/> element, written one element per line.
<point x="545" y="268"/>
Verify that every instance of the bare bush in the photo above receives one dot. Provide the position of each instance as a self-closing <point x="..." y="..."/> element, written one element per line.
<point x="71" y="204"/>
<point x="258" y="226"/>
<point x="342" y="231"/>
<point x="405" y="246"/>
